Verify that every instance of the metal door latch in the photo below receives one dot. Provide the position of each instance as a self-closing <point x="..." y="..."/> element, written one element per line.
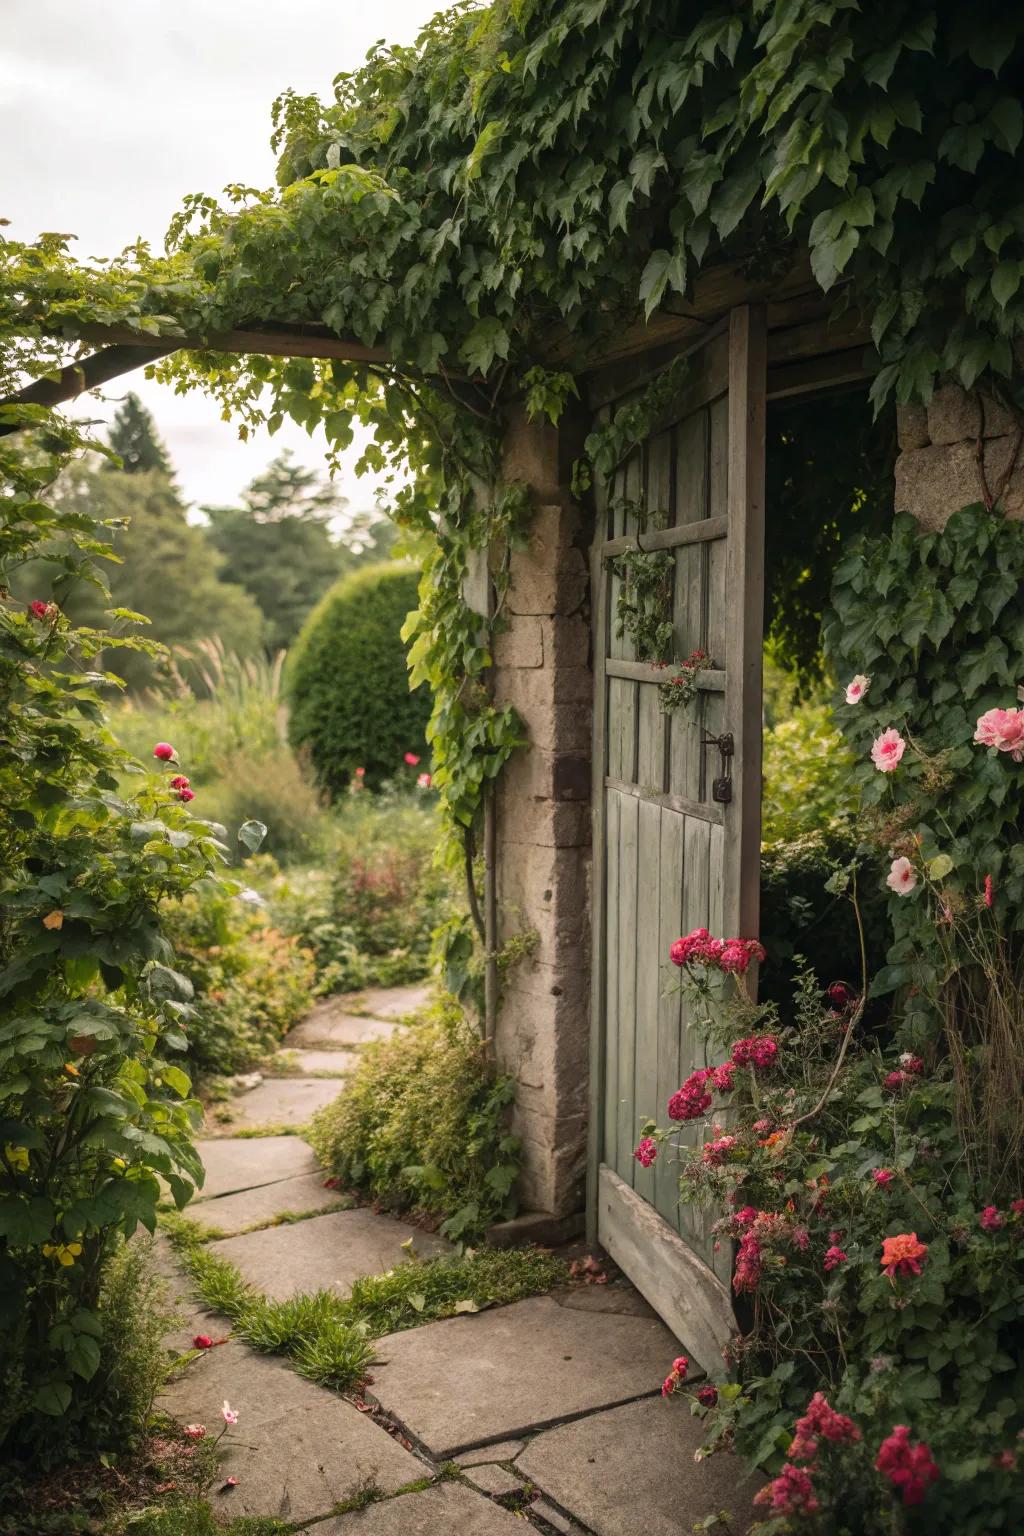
<point x="721" y="788"/>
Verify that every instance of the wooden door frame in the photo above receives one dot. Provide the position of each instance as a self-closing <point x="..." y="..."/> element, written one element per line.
<point x="706" y="1321"/>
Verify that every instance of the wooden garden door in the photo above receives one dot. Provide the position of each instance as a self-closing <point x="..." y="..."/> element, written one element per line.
<point x="673" y="849"/>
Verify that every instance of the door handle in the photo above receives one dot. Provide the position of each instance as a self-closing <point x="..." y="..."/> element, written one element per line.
<point x="721" y="787"/>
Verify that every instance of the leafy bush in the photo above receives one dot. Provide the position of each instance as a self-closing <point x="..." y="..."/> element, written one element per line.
<point x="347" y="681"/>
<point x="251" y="982"/>
<point x="368" y="918"/>
<point x="95" y="1114"/>
<point x="421" y="1123"/>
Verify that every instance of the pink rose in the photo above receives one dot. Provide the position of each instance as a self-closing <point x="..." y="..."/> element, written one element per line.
<point x="164" y="751"/>
<point x="186" y="795"/>
<point x="857" y="688"/>
<point x="902" y="877"/>
<point x="887" y="750"/>
<point x="424" y="781"/>
<point x="411" y="759"/>
<point x="1002" y="729"/>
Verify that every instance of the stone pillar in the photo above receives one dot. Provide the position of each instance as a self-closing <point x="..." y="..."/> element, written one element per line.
<point x="951" y="450"/>
<point x="542" y="667"/>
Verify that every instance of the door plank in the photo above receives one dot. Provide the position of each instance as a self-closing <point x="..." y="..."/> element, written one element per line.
<point x="678" y="1284"/>
<point x="648" y="970"/>
<point x="629" y="822"/>
<point x="670" y="1014"/>
<point x="610" y="950"/>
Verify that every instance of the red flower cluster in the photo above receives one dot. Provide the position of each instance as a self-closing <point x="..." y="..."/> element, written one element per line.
<point x="646" y="1152"/>
<point x="708" y="1397"/>
<point x="747" y="1274"/>
<point x="821" y="1422"/>
<point x="41" y="611"/>
<point x="731" y="955"/>
<point x="676" y="1376"/>
<point x="164" y="751"/>
<point x="713" y="1153"/>
<point x="907" y="1466"/>
<point x="693" y="1098"/>
<point x="834" y="1256"/>
<point x="991" y="1218"/>
<point x="883" y="1177"/>
<point x="756" y="1051"/>
<point x="910" y="1067"/>
<point x="840" y="995"/>
<point x="791" y="1493"/>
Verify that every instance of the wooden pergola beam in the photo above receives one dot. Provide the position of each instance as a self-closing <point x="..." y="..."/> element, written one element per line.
<point x="122" y="350"/>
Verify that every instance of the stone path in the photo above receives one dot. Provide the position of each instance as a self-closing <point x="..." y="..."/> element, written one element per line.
<point x="541" y="1415"/>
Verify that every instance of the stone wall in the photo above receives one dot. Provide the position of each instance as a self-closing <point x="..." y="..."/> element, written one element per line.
<point x="950" y="450"/>
<point x="542" y="666"/>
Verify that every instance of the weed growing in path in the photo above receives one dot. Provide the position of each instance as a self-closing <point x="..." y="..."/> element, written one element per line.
<point x="330" y="1337"/>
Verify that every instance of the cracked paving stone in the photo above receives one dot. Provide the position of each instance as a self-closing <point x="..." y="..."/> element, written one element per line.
<point x="329" y="1025"/>
<point x="337" y="1063"/>
<point x="297" y="1449"/>
<point x="606" y="1467"/>
<point x="249" y="1162"/>
<point x="505" y="1450"/>
<point x="232" y="1213"/>
<point x="325" y="1252"/>
<point x="479" y="1377"/>
<point x="447" y="1510"/>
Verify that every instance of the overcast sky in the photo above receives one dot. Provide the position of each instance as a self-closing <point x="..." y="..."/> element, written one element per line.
<point x="112" y="110"/>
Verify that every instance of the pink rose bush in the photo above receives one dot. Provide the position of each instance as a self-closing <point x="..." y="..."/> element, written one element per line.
<point x="857" y="688"/>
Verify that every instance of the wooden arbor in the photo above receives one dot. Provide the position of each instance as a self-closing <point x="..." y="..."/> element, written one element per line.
<point x="666" y="854"/>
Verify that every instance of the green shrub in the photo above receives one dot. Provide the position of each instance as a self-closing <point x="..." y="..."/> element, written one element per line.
<point x="96" y="1112"/>
<point x="368" y="917"/>
<point x="347" y="681"/>
<point x="251" y="982"/>
<point x="273" y="789"/>
<point x="421" y="1122"/>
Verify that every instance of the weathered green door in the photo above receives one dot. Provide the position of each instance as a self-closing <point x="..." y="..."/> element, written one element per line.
<point x="671" y="852"/>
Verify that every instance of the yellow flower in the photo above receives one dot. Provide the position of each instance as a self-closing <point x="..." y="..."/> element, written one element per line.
<point x="17" y="1157"/>
<point x="119" y="1162"/>
<point x="64" y="1253"/>
<point x="69" y="1066"/>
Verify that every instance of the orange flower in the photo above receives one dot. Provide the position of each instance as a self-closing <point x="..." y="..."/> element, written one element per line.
<point x="902" y="1255"/>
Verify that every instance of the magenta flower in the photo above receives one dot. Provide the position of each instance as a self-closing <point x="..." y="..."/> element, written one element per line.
<point x="857" y="688"/>
<point x="646" y="1152"/>
<point x="186" y="795"/>
<point x="229" y="1414"/>
<point x="195" y="1431"/>
<point x="883" y="1177"/>
<point x="708" y="1397"/>
<point x="411" y="759"/>
<point x="887" y="750"/>
<point x="908" y="1467"/>
<point x="991" y="1219"/>
<point x="835" y="1256"/>
<point x="424" y="781"/>
<point x="164" y="751"/>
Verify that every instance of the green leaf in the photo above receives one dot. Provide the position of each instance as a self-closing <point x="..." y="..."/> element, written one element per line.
<point x="26" y="1223"/>
<point x="733" y="197"/>
<point x="175" y="1078"/>
<point x="1005" y="282"/>
<point x="487" y="340"/>
<point x="663" y="269"/>
<point x="52" y="1398"/>
<point x="251" y="835"/>
<point x="940" y="866"/>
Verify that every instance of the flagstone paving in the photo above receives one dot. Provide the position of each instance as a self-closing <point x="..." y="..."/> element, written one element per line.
<point x="445" y="1511"/>
<point x="246" y="1164"/>
<point x="325" y="1252"/>
<point x="551" y="1405"/>
<point x="231" y="1214"/>
<point x="297" y="1450"/>
<point x="490" y="1375"/>
<point x="336" y="1063"/>
<point x="276" y="1101"/>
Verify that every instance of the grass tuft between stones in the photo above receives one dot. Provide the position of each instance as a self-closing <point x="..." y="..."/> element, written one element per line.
<point x="330" y="1338"/>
